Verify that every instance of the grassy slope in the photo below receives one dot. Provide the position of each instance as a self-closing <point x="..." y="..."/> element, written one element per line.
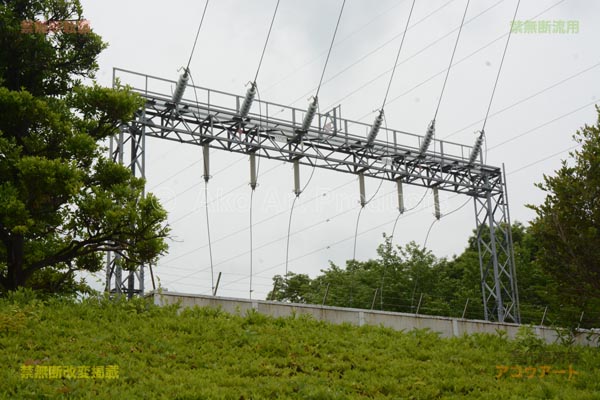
<point x="204" y="353"/>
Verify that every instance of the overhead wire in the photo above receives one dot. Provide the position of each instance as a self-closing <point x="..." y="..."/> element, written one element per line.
<point x="463" y="59"/>
<point x="431" y="45"/>
<point x="451" y="60"/>
<point x="418" y="211"/>
<point x="287" y="246"/>
<point x="253" y="187"/>
<point x="248" y="99"/>
<point x="330" y="48"/>
<point x="487" y="113"/>
<point x="442" y="216"/>
<point x="445" y="79"/>
<point x="527" y="98"/>
<point x="482" y="134"/>
<point x="362" y="206"/>
<point x="220" y="198"/>
<point x="408" y="210"/>
<point x="306" y="124"/>
<point x="331" y="244"/>
<point x="370" y="53"/>
<point x="266" y="41"/>
<point x="177" y="96"/>
<point x="206" y="178"/>
<point x="283" y="237"/>
<point x="187" y="167"/>
<point x="387" y="91"/>
<point x="586" y="105"/>
<point x="212" y="273"/>
<point x="251" y="244"/>
<point x="229" y="235"/>
<point x="356" y="233"/>
<point x="579" y="73"/>
<point x="339" y="42"/>
<point x="197" y="34"/>
<point x="405" y="215"/>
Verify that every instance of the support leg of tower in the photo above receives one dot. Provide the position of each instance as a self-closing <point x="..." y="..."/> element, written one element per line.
<point x="496" y="259"/>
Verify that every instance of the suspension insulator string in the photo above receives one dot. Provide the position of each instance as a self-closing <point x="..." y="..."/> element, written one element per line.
<point x="430" y="134"/>
<point x="183" y="78"/>
<point x="252" y="90"/>
<point x="206" y="177"/>
<point x="379" y="118"/>
<point x="314" y="101"/>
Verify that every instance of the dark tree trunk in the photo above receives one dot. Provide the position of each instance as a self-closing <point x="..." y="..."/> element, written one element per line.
<point x="16" y="276"/>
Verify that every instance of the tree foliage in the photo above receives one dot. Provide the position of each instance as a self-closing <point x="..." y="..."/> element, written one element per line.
<point x="63" y="203"/>
<point x="567" y="224"/>
<point x="399" y="276"/>
<point x="394" y="281"/>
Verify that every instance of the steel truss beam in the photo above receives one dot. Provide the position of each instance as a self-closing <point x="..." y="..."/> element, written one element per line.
<point x="332" y="142"/>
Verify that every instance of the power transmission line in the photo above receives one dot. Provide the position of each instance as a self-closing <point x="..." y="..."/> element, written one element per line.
<point x="366" y="56"/>
<point x="338" y="101"/>
<point x="259" y="222"/>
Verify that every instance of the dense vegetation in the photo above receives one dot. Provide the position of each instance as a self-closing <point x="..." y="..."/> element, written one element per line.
<point x="64" y="204"/>
<point x="411" y="279"/>
<point x="204" y="353"/>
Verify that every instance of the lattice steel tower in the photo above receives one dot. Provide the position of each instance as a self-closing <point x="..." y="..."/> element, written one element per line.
<point x="330" y="142"/>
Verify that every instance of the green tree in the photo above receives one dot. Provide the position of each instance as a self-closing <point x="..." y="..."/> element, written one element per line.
<point x="392" y="282"/>
<point x="62" y="203"/>
<point x="295" y="288"/>
<point x="567" y="224"/>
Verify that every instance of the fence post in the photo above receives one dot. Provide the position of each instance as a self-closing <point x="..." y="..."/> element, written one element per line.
<point x="419" y="305"/>
<point x="544" y="316"/>
<point x="580" y="319"/>
<point x="374" y="298"/>
<point x="326" y="292"/>
<point x="217" y="285"/>
<point x="465" y="309"/>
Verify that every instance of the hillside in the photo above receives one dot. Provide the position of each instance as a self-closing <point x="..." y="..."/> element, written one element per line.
<point x="145" y="351"/>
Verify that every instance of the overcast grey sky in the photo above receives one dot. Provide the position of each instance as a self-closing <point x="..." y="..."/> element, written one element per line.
<point x="547" y="90"/>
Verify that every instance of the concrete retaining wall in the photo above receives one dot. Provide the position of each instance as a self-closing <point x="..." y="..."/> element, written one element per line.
<point x="447" y="327"/>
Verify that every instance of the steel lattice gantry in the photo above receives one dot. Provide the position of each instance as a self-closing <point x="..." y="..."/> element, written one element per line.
<point x="130" y="136"/>
<point x="271" y="130"/>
